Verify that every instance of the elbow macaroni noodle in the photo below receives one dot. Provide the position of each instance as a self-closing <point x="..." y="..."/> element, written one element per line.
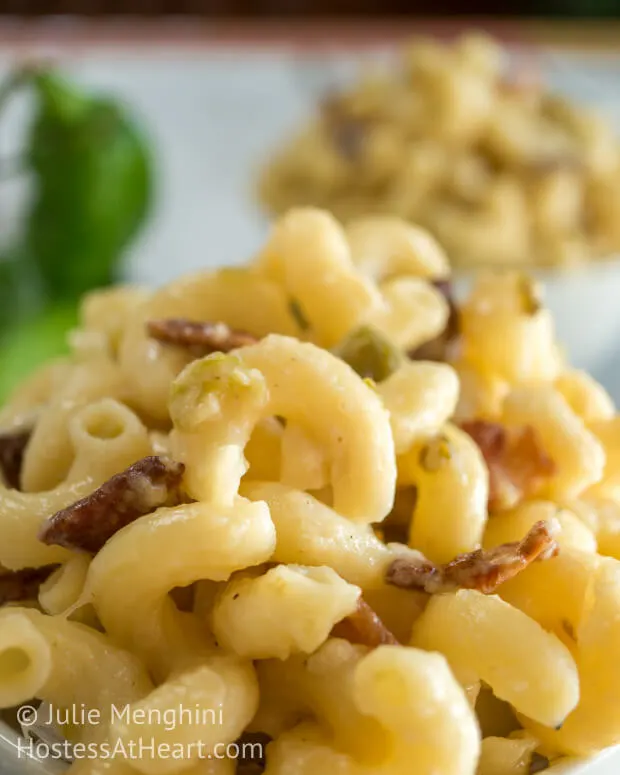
<point x="98" y="453"/>
<point x="453" y="488"/>
<point x="217" y="401"/>
<point x="303" y="481"/>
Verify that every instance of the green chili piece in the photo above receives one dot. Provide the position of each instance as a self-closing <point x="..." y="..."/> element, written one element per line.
<point x="370" y="354"/>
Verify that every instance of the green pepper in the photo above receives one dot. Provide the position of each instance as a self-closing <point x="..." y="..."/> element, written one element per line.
<point x="91" y="175"/>
<point x="9" y="285"/>
<point x="20" y="292"/>
<point x="92" y="179"/>
<point x="370" y="354"/>
<point x="34" y="340"/>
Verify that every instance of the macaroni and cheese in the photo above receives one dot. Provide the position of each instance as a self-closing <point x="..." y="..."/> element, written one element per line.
<point x="470" y="145"/>
<point x="250" y="512"/>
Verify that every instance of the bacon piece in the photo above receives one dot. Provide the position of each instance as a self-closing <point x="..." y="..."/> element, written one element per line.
<point x="482" y="569"/>
<point x="365" y="627"/>
<point x="347" y="132"/>
<point x="140" y="489"/>
<point x="518" y="464"/>
<point x="12" y="447"/>
<point x="199" y="338"/>
<point x="349" y="136"/>
<point x="23" y="584"/>
<point x="441" y="347"/>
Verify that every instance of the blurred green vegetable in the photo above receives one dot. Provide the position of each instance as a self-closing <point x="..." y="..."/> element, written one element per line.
<point x="34" y="340"/>
<point x="93" y="187"/>
<point x="20" y="289"/>
<point x="9" y="285"/>
<point x="92" y="183"/>
<point x="370" y="354"/>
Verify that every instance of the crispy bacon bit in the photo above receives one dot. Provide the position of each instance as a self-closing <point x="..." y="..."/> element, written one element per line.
<point x="347" y="132"/>
<point x="19" y="585"/>
<point x="443" y="346"/>
<point x="349" y="136"/>
<point x="140" y="489"/>
<point x="365" y="627"/>
<point x="517" y="462"/>
<point x="199" y="338"/>
<point x="12" y="448"/>
<point x="482" y="569"/>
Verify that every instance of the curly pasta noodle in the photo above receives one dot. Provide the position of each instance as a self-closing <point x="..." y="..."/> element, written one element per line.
<point x="298" y="534"/>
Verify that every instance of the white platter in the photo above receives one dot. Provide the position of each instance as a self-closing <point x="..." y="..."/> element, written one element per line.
<point x="607" y="763"/>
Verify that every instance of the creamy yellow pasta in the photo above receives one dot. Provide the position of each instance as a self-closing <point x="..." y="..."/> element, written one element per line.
<point x="294" y="515"/>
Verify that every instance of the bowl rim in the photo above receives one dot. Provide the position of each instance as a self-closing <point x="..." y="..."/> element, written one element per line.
<point x="600" y="266"/>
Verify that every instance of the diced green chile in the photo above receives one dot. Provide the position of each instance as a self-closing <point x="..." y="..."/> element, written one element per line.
<point x="370" y="354"/>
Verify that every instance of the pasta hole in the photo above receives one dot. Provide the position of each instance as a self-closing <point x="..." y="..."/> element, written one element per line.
<point x="104" y="427"/>
<point x="496" y="717"/>
<point x="13" y="661"/>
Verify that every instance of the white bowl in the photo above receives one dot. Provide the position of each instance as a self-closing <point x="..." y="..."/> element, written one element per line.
<point x="585" y="303"/>
<point x="607" y="763"/>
